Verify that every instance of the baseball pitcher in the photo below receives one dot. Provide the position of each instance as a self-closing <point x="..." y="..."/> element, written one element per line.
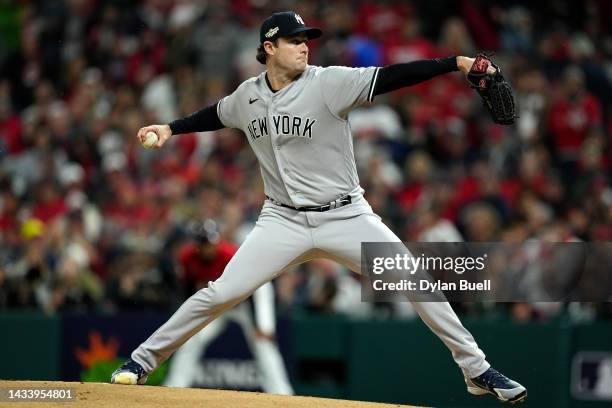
<point x="294" y="116"/>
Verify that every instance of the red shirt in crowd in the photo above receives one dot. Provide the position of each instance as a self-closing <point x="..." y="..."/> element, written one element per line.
<point x="48" y="211"/>
<point x="199" y="270"/>
<point x="570" y="122"/>
<point x="10" y="134"/>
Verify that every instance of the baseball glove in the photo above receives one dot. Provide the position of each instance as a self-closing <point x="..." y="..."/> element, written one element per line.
<point x="495" y="91"/>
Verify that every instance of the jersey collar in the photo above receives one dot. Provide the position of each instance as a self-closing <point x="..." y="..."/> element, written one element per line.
<point x="274" y="92"/>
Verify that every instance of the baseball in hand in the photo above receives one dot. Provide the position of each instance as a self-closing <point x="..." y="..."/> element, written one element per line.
<point x="150" y="140"/>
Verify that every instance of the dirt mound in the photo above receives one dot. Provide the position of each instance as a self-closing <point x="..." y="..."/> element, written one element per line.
<point x="116" y="396"/>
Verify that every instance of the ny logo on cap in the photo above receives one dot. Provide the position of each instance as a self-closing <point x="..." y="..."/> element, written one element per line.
<point x="271" y="32"/>
<point x="299" y="19"/>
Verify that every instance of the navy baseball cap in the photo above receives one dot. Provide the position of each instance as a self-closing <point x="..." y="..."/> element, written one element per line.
<point x="285" y="24"/>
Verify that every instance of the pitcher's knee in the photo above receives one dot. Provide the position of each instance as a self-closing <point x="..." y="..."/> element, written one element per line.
<point x="217" y="294"/>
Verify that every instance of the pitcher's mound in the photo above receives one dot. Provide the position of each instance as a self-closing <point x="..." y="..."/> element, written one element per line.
<point x="116" y="396"/>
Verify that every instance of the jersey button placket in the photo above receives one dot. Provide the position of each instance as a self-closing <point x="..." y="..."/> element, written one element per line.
<point x="276" y="147"/>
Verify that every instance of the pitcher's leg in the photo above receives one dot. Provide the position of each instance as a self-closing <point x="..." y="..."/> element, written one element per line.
<point x="272" y="245"/>
<point x="343" y="238"/>
<point x="186" y="360"/>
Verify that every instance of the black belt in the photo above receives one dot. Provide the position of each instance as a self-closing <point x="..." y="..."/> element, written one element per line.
<point x="341" y="202"/>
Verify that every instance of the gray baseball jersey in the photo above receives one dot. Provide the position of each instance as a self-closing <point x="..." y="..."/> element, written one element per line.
<point x="302" y="139"/>
<point x="300" y="134"/>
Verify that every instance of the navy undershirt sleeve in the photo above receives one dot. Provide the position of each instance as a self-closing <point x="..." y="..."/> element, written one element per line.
<point x="397" y="76"/>
<point x="204" y="120"/>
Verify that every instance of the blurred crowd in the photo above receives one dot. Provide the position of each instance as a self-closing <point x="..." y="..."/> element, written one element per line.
<point x="91" y="221"/>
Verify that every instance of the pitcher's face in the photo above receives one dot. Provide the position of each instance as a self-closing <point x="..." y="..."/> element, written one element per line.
<point x="291" y="54"/>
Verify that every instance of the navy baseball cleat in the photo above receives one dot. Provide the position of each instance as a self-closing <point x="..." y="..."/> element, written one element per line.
<point x="130" y="373"/>
<point x="494" y="382"/>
